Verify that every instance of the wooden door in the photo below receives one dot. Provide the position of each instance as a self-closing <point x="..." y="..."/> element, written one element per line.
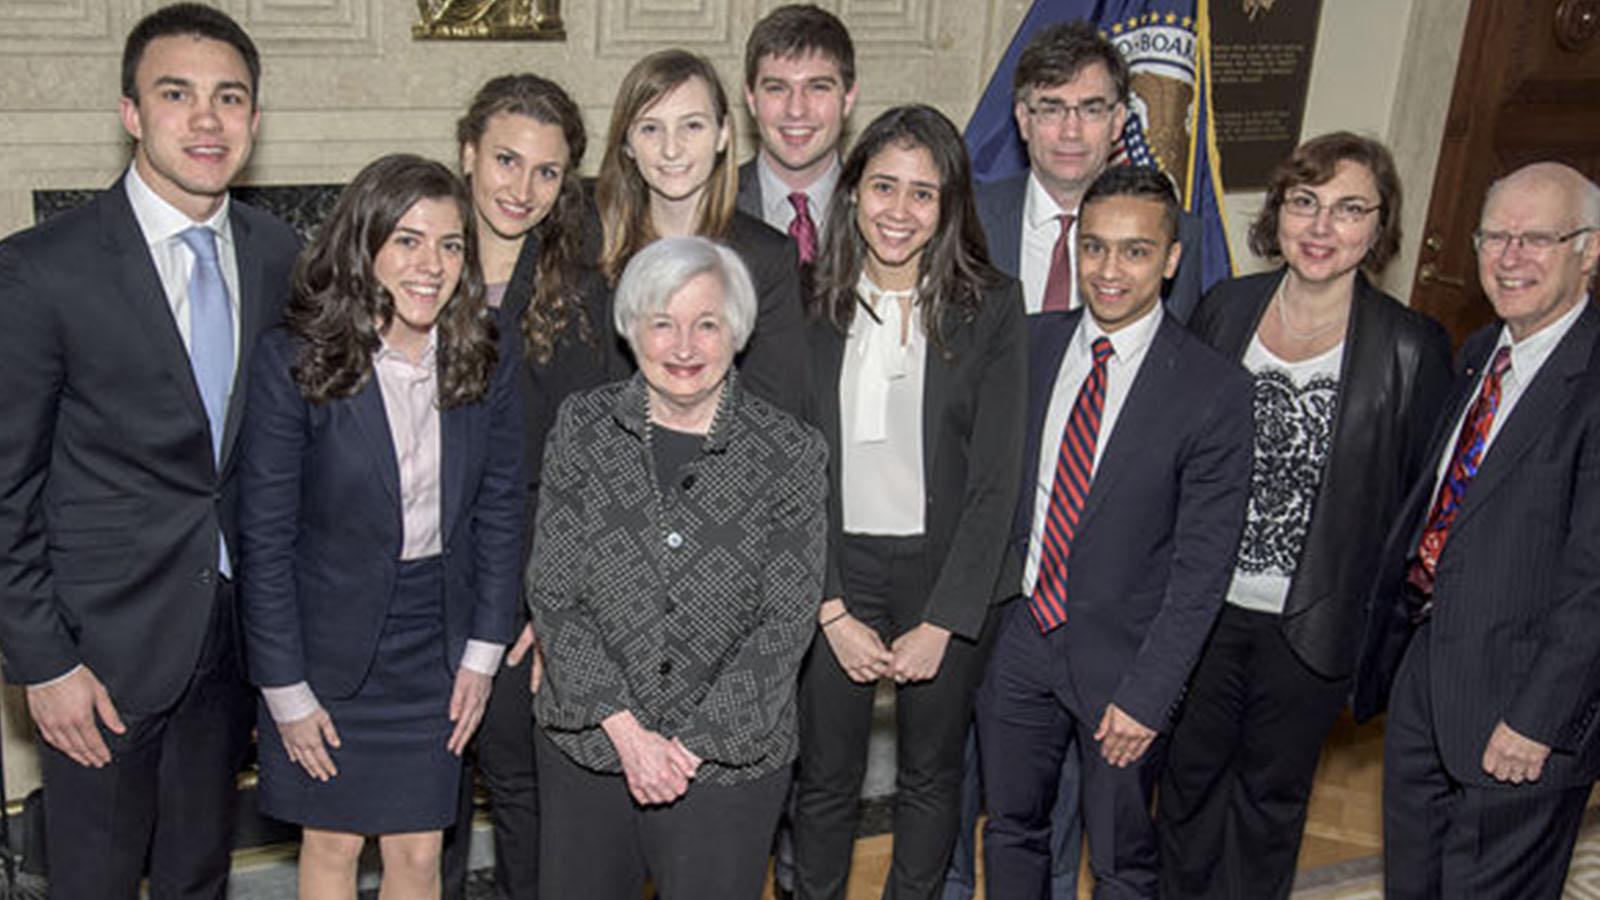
<point x="1527" y="88"/>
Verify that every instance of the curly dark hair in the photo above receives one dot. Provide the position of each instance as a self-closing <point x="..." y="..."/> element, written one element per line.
<point x="339" y="310"/>
<point x="954" y="269"/>
<point x="1316" y="162"/>
<point x="557" y="296"/>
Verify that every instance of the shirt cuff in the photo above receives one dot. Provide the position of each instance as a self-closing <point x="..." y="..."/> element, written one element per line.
<point x="482" y="657"/>
<point x="62" y="677"/>
<point x="290" y="703"/>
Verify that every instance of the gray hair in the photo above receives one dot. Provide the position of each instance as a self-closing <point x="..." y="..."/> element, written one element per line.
<point x="1587" y="203"/>
<point x="663" y="267"/>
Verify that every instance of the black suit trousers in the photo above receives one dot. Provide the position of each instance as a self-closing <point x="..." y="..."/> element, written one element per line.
<point x="169" y="794"/>
<point x="886" y="587"/>
<point x="1232" y="803"/>
<point x="1444" y="839"/>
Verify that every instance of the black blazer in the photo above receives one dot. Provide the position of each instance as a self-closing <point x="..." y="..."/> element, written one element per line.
<point x="972" y="417"/>
<point x="320" y="523"/>
<point x="1392" y="381"/>
<point x="1000" y="204"/>
<point x="110" y="500"/>
<point x="1156" y="537"/>
<point x="1517" y="591"/>
<point x="773" y="364"/>
<point x="749" y="200"/>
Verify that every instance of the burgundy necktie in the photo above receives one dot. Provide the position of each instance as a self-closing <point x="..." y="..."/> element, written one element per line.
<point x="1463" y="468"/>
<point x="1074" y="471"/>
<point x="1058" y="287"/>
<point x="802" y="229"/>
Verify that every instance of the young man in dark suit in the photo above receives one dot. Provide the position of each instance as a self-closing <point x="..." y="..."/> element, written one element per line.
<point x="1072" y="93"/>
<point x="800" y="86"/>
<point x="1488" y="601"/>
<point x="125" y="329"/>
<point x="1135" y="477"/>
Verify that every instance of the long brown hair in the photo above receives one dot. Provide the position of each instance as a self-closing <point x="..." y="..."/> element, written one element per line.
<point x="557" y="300"/>
<point x="339" y="309"/>
<point x="953" y="271"/>
<point x="621" y="191"/>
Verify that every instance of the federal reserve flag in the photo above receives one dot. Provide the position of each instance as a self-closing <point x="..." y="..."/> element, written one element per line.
<point x="1167" y="46"/>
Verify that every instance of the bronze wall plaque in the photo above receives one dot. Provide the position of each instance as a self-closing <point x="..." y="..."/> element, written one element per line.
<point x="489" y="20"/>
<point x="1261" y="54"/>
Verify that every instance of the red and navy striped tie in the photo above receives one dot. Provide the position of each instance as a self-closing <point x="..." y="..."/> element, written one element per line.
<point x="1074" y="470"/>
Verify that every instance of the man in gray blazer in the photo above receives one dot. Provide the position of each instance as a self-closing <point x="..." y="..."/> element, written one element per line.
<point x="1488" y="596"/>
<point x="125" y="331"/>
<point x="1072" y="91"/>
<point x="800" y="86"/>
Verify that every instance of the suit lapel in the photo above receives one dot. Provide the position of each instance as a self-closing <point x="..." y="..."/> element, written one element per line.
<point x="455" y="426"/>
<point x="140" y="286"/>
<point x="939" y="381"/>
<point x="366" y="407"/>
<point x="1536" y="411"/>
<point x="1048" y="336"/>
<point x="249" y="324"/>
<point x="1147" y="403"/>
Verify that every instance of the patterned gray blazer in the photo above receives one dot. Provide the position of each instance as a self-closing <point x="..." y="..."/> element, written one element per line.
<point x="690" y="606"/>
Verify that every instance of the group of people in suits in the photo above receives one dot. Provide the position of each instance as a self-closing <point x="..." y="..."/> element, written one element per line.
<point x="634" y="499"/>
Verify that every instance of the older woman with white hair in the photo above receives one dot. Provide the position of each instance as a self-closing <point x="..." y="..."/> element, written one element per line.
<point x="674" y="583"/>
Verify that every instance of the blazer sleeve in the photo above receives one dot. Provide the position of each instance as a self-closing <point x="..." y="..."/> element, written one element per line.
<point x="774" y="362"/>
<point x="967" y="578"/>
<point x="751" y="693"/>
<point x="585" y="684"/>
<point x="34" y="635"/>
<point x="499" y="507"/>
<point x="274" y="439"/>
<point x="1213" y="485"/>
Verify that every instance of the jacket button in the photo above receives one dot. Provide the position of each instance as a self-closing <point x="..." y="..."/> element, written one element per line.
<point x="688" y="481"/>
<point x="674" y="540"/>
<point x="665" y="668"/>
<point x="670" y="606"/>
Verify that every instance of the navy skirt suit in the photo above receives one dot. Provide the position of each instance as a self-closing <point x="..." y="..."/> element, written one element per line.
<point x="326" y="599"/>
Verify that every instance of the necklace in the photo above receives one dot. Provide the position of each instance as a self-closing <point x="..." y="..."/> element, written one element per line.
<point x="1296" y="333"/>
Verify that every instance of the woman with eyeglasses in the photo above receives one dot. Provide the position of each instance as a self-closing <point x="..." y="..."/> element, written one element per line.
<point x="669" y="171"/>
<point x="1348" y="382"/>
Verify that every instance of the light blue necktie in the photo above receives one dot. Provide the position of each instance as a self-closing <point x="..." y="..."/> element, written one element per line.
<point x="210" y="341"/>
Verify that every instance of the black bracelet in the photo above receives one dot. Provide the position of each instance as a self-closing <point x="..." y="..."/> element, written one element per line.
<point x="836" y="618"/>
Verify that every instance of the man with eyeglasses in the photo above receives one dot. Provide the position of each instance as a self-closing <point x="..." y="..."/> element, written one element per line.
<point x="1481" y="632"/>
<point x="1071" y="89"/>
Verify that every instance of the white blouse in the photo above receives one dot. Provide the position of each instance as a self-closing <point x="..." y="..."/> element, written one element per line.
<point x="880" y="413"/>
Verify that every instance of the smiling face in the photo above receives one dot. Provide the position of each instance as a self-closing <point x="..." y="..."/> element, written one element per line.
<point x="684" y="350"/>
<point x="194" y="121"/>
<point x="675" y="142"/>
<point x="1069" y="155"/>
<point x="1123" y="254"/>
<point x="1532" y="288"/>
<point x="515" y="170"/>
<point x="419" y="265"/>
<point x="800" y="104"/>
<point x="1318" y="249"/>
<point x="897" y="212"/>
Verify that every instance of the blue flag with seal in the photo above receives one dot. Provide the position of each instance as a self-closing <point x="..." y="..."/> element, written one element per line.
<point x="1167" y="44"/>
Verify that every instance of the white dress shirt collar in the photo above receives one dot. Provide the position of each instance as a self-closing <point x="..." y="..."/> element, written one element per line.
<point x="776" y="209"/>
<point x="161" y="221"/>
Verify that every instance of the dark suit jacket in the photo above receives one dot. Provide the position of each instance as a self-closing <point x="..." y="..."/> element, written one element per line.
<point x="972" y="416"/>
<point x="773" y="364"/>
<point x="1154" y="549"/>
<point x="1000" y="205"/>
<point x="749" y="200"/>
<point x="320" y="523"/>
<point x="1517" y="591"/>
<point x="110" y="500"/>
<point x="1392" y="381"/>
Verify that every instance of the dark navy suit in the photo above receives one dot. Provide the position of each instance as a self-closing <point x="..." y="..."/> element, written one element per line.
<point x="1149" y="563"/>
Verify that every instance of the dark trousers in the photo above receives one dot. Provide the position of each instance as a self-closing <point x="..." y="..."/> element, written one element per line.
<point x="886" y="587"/>
<point x="710" y="843"/>
<point x="503" y="752"/>
<point x="1232" y="803"/>
<point x="1066" y="830"/>
<point x="168" y="795"/>
<point x="1446" y="839"/>
<point x="1029" y="719"/>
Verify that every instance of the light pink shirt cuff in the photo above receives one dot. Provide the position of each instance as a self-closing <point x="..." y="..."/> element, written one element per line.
<point x="290" y="703"/>
<point x="482" y="657"/>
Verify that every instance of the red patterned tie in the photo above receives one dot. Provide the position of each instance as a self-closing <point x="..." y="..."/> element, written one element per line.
<point x="1074" y="471"/>
<point x="1058" y="287"/>
<point x="1463" y="468"/>
<point x="802" y="229"/>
